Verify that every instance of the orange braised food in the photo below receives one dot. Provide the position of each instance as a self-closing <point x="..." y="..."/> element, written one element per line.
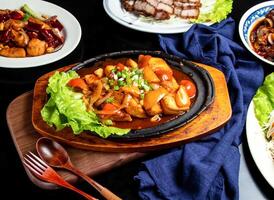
<point x="142" y="92"/>
<point x="24" y="33"/>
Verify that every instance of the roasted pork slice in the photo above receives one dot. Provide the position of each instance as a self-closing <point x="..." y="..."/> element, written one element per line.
<point x="187" y="13"/>
<point x="145" y="8"/>
<point x="161" y="15"/>
<point x="187" y="5"/>
<point x="152" y="8"/>
<point x="164" y="9"/>
<point x="189" y="1"/>
<point x="128" y="5"/>
<point x="139" y="7"/>
<point x="168" y="2"/>
<point x="162" y="5"/>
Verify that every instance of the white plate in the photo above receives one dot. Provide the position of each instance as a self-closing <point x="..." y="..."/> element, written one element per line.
<point x="114" y="9"/>
<point x="72" y="32"/>
<point x="247" y="22"/>
<point x="258" y="146"/>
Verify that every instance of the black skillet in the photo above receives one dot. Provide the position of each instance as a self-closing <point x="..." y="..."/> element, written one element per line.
<point x="201" y="78"/>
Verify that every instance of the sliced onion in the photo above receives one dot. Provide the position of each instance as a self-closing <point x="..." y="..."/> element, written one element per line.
<point x="104" y="112"/>
<point x="269" y="21"/>
<point x="102" y="100"/>
<point x="270" y="38"/>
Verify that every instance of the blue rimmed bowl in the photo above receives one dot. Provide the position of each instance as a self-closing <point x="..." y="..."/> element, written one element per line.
<point x="250" y="18"/>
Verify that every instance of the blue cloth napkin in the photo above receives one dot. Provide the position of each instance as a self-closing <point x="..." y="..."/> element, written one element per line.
<point x="207" y="168"/>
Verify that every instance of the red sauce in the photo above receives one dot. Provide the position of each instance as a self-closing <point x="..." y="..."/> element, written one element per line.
<point x="262" y="37"/>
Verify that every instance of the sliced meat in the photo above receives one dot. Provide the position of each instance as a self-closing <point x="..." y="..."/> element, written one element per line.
<point x="189" y="1"/>
<point x="153" y="2"/>
<point x="145" y="8"/>
<point x="153" y="8"/>
<point x="187" y="13"/>
<point x="165" y="7"/>
<point x="20" y="38"/>
<point x="187" y="5"/>
<point x="36" y="47"/>
<point x="191" y="13"/>
<point x="135" y="109"/>
<point x="128" y="5"/>
<point x="168" y="2"/>
<point x="13" y="52"/>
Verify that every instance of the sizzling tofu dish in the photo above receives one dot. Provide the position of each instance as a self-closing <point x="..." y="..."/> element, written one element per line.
<point x="135" y="94"/>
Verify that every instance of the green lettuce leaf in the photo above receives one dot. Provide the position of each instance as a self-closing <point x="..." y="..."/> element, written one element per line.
<point x="214" y="10"/>
<point x="65" y="107"/>
<point x="264" y="100"/>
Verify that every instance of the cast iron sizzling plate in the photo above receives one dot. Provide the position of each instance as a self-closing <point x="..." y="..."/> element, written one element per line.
<point x="202" y="79"/>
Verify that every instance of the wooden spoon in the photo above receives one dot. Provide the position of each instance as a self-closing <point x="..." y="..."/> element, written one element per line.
<point x="56" y="156"/>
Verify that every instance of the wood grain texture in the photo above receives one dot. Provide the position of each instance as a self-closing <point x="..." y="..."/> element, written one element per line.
<point x="19" y="119"/>
<point x="25" y="137"/>
<point x="212" y="118"/>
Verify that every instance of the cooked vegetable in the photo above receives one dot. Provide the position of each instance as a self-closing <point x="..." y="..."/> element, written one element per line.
<point x="153" y="97"/>
<point x="31" y="12"/>
<point x="182" y="98"/>
<point x="189" y="87"/>
<point x="65" y="107"/>
<point x="214" y="10"/>
<point x="264" y="109"/>
<point x="264" y="100"/>
<point x="117" y="92"/>
<point x="78" y="83"/>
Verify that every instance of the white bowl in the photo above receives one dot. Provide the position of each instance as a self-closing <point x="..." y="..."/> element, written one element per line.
<point x="72" y="32"/>
<point x="247" y="22"/>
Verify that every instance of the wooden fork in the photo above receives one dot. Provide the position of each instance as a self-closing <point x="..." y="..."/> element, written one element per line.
<point x="40" y="169"/>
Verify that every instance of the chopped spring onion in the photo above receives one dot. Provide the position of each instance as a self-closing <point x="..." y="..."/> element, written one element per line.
<point x="31" y="12"/>
<point x="110" y="100"/>
<point x="26" y="17"/>
<point x="116" y="87"/>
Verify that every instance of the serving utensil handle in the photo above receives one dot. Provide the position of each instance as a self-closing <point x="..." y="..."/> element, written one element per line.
<point x="101" y="189"/>
<point x="67" y="185"/>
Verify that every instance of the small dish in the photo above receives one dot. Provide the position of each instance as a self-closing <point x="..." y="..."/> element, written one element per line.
<point x="250" y="18"/>
<point x="72" y="33"/>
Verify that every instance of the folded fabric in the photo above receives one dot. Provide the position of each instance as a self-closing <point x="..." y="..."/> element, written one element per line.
<point x="207" y="168"/>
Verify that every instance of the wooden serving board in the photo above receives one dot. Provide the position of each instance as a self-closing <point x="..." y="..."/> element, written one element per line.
<point x="24" y="137"/>
<point x="217" y="114"/>
<point x="19" y="114"/>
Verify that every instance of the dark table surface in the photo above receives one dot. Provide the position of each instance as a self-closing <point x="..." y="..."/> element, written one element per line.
<point x="100" y="34"/>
